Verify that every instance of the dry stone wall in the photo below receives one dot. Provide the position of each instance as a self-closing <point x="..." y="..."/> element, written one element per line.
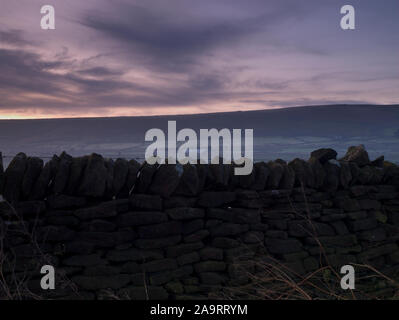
<point x="138" y="231"/>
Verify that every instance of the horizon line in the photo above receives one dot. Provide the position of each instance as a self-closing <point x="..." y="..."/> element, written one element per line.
<point x="201" y="113"/>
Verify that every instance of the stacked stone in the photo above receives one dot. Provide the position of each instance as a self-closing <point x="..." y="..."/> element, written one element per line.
<point x="121" y="229"/>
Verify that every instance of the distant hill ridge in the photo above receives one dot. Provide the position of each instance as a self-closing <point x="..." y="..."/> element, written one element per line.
<point x="286" y="133"/>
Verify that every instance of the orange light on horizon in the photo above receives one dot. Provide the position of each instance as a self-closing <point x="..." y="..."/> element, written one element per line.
<point x="126" y="112"/>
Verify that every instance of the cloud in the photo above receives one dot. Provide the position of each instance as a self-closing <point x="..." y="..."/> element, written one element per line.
<point x="182" y="40"/>
<point x="205" y="55"/>
<point x="14" y="37"/>
<point x="100" y="72"/>
<point x="46" y="84"/>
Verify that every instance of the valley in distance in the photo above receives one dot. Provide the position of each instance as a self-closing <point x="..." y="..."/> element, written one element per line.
<point x="285" y="133"/>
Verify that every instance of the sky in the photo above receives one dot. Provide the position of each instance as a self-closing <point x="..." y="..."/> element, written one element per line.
<point x="153" y="57"/>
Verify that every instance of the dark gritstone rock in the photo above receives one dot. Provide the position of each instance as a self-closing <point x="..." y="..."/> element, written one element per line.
<point x="39" y="189"/>
<point x="165" y="180"/>
<point x="288" y="179"/>
<point x="262" y="173"/>
<point x="132" y="219"/>
<point x="334" y="241"/>
<point x="54" y="163"/>
<point x="146" y="202"/>
<point x="181" y="249"/>
<point x="303" y="173"/>
<point x="109" y="181"/>
<point x="160" y="230"/>
<point x="246" y="216"/>
<point x="196" y="236"/>
<point x="33" y="169"/>
<point x="228" y="229"/>
<point x="179" y="202"/>
<point x="379" y="162"/>
<point x="345" y="175"/>
<point x="185" y="213"/>
<point x="221" y="214"/>
<point x="28" y="209"/>
<point x="76" y="170"/>
<point x="166" y="276"/>
<point x="215" y="199"/>
<point x="62" y="174"/>
<point x="105" y="239"/>
<point x="14" y="175"/>
<point x="275" y="175"/>
<point x="209" y="266"/>
<point x="192" y="226"/>
<point x="303" y="228"/>
<point x="324" y="154"/>
<point x="134" y="255"/>
<point x="245" y="181"/>
<point x="101" y="282"/>
<point x="331" y="181"/>
<point x="54" y="234"/>
<point x="84" y="260"/>
<point x="62" y="201"/>
<point x="391" y="173"/>
<point x="1" y="173"/>
<point x="189" y="182"/>
<point x="121" y="170"/>
<point x="133" y="170"/>
<point x="188" y="258"/>
<point x="358" y="155"/>
<point x="139" y="292"/>
<point x="160" y="265"/>
<point x="144" y="177"/>
<point x="99" y="225"/>
<point x="370" y="175"/>
<point x="318" y="171"/>
<point x="158" y="242"/>
<point x="280" y="246"/>
<point x="219" y="175"/>
<point x="202" y="171"/>
<point x="94" y="177"/>
<point x="103" y="210"/>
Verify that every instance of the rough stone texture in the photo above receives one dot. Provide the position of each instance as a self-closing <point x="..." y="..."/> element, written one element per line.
<point x="1" y="173"/>
<point x="41" y="185"/>
<point x="33" y="169"/>
<point x="133" y="170"/>
<point x="76" y="170"/>
<point x="379" y="162"/>
<point x="262" y="173"/>
<point x="215" y="199"/>
<point x="146" y="202"/>
<point x="165" y="180"/>
<point x="331" y="181"/>
<point x="303" y="173"/>
<point x="94" y="178"/>
<point x="318" y="172"/>
<point x="13" y="177"/>
<point x="62" y="175"/>
<point x="357" y="155"/>
<point x="108" y="232"/>
<point x="121" y="170"/>
<point x="324" y="154"/>
<point x="144" y="177"/>
<point x="189" y="183"/>
<point x="109" y="179"/>
<point x="275" y="175"/>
